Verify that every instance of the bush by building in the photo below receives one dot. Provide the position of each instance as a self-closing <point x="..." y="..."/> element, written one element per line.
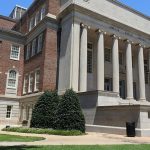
<point x="44" y="110"/>
<point x="69" y="115"/>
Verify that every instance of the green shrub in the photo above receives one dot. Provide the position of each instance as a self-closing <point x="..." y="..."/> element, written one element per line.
<point x="69" y="115"/>
<point x="44" y="131"/>
<point x="44" y="110"/>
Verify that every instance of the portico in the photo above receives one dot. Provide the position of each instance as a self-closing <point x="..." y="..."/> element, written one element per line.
<point x="101" y="40"/>
<point x="105" y="62"/>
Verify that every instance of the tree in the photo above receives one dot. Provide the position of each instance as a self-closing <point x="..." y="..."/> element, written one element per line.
<point x="44" y="110"/>
<point x="69" y="115"/>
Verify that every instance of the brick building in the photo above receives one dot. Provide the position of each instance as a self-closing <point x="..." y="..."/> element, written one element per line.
<point x="98" y="48"/>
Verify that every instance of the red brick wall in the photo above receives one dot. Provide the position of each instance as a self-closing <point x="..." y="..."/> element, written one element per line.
<point x="50" y="60"/>
<point x="53" y="6"/>
<point x="46" y="61"/>
<point x="4" y="23"/>
<point x="6" y="64"/>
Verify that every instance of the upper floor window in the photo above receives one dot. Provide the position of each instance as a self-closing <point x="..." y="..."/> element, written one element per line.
<point x="28" y="51"/>
<point x="32" y="23"/>
<point x="90" y="58"/>
<point x="30" y="88"/>
<point x="12" y="79"/>
<point x="9" y="111"/>
<point x="15" y="52"/>
<point x="37" y="18"/>
<point x="107" y="54"/>
<point x="33" y="47"/>
<point x="40" y="43"/>
<point x="37" y="80"/>
<point x="43" y="12"/>
<point x="25" y="86"/>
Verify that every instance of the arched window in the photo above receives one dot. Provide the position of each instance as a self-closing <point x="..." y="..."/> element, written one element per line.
<point x="12" y="79"/>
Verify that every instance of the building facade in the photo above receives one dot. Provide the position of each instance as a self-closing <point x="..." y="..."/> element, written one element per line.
<point x="98" y="48"/>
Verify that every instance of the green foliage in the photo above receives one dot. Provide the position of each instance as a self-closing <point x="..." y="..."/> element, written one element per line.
<point x="69" y="115"/>
<point x="44" y="131"/>
<point x="44" y="110"/>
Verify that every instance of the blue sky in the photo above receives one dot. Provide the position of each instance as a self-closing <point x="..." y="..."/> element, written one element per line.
<point x="6" y="6"/>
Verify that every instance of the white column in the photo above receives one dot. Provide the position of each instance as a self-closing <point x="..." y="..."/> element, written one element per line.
<point x="129" y="72"/>
<point x="83" y="60"/>
<point x="75" y="56"/>
<point x="100" y="61"/>
<point x="115" y="64"/>
<point x="141" y="74"/>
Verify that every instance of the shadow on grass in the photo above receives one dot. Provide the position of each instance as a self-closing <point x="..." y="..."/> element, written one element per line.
<point x="22" y="147"/>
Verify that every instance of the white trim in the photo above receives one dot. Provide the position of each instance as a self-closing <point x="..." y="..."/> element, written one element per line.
<point x="29" y="89"/>
<point x="35" y="75"/>
<point x="18" y="52"/>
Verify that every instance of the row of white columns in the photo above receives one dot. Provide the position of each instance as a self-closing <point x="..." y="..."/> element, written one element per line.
<point x="115" y="65"/>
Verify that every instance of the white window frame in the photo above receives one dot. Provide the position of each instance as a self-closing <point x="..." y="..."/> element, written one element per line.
<point x="91" y="50"/>
<point x="25" y="85"/>
<point x="41" y="13"/>
<point x="35" y="80"/>
<point x="16" y="81"/>
<point x="31" y="23"/>
<point x="37" y="18"/>
<point x="9" y="111"/>
<point x="40" y="43"/>
<point x="29" y="85"/>
<point x="11" y="56"/>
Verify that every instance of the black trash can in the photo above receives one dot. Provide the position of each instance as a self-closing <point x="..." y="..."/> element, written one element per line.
<point x="130" y="129"/>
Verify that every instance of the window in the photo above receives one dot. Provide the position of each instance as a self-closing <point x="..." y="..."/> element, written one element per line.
<point x="15" y="51"/>
<point x="25" y="86"/>
<point x="30" y="88"/>
<point x="37" y="80"/>
<point x="12" y="79"/>
<point x="43" y="11"/>
<point x="40" y="43"/>
<point x="120" y="58"/>
<point x="33" y="47"/>
<point x="90" y="58"/>
<point x="32" y="23"/>
<point x="28" y="51"/>
<point x="108" y="84"/>
<point x="107" y="54"/>
<point x="9" y="111"/>
<point x="37" y="18"/>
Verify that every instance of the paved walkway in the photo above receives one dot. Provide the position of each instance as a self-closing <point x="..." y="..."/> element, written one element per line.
<point x="89" y="139"/>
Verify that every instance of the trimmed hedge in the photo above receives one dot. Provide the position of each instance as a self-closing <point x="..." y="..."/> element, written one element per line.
<point x="44" y="131"/>
<point x="69" y="115"/>
<point x="44" y="110"/>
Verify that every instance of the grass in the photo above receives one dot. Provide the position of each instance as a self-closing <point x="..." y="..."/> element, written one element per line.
<point x="44" y="131"/>
<point x="96" y="147"/>
<point x="16" y="138"/>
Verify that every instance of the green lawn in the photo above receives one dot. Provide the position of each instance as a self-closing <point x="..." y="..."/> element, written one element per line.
<point x="116" y="147"/>
<point x="14" y="138"/>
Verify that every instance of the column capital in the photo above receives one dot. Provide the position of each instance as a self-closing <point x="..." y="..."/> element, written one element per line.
<point x="140" y="45"/>
<point x="100" y="31"/>
<point x="128" y="41"/>
<point x="85" y="26"/>
<point x="115" y="37"/>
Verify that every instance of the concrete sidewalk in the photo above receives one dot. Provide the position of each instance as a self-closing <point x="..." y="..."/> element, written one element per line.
<point x="89" y="139"/>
